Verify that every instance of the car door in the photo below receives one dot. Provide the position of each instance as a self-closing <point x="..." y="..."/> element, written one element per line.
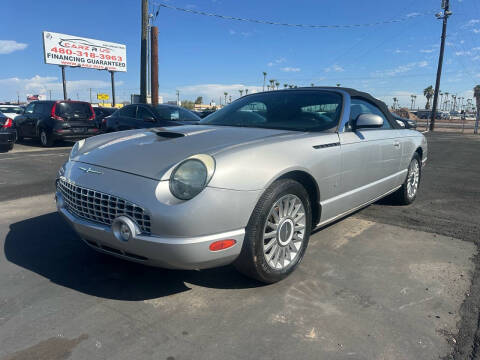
<point x="126" y="118"/>
<point x="26" y="122"/>
<point x="370" y="158"/>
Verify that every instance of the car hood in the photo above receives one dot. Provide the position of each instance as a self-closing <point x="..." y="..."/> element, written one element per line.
<point x="150" y="153"/>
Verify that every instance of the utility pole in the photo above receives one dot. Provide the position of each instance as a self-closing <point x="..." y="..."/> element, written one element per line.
<point x="178" y="98"/>
<point x="444" y="16"/>
<point x="64" y="82"/>
<point x="154" y="65"/>
<point x="18" y="98"/>
<point x="143" y="53"/>
<point x="90" y="95"/>
<point x="112" y="78"/>
<point x="50" y="95"/>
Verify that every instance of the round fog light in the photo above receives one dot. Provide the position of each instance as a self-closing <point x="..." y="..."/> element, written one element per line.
<point x="124" y="228"/>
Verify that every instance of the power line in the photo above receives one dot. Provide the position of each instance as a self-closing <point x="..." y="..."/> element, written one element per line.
<point x="266" y="22"/>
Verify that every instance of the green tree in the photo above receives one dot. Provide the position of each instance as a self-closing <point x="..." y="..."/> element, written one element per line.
<point x="199" y="100"/>
<point x="225" y="93"/>
<point x="187" y="104"/>
<point x="277" y="84"/>
<point x="264" y="79"/>
<point x="428" y="93"/>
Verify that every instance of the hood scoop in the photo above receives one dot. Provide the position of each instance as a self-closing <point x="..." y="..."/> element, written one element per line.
<point x="169" y="134"/>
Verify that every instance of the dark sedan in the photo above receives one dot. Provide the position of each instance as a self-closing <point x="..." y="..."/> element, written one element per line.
<point x="101" y="113"/>
<point x="139" y="116"/>
<point x="405" y="123"/>
<point x="8" y="133"/>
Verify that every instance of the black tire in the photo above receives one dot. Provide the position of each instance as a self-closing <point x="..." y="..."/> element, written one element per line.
<point x="401" y="196"/>
<point x="252" y="261"/>
<point x="6" y="148"/>
<point x="46" y="139"/>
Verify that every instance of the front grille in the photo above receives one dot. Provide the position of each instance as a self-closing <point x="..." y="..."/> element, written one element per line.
<point x="100" y="207"/>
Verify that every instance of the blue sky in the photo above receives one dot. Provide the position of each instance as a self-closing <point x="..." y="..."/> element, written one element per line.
<point x="207" y="56"/>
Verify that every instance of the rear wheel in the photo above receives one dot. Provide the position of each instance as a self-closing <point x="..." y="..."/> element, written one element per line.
<point x="277" y="233"/>
<point x="409" y="189"/>
<point x="45" y="138"/>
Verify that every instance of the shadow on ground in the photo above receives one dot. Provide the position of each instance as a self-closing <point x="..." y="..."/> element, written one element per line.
<point x="47" y="246"/>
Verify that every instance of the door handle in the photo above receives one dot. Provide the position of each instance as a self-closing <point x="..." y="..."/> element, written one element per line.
<point x="396" y="143"/>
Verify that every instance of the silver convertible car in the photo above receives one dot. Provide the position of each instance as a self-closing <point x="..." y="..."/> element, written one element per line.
<point x="247" y="185"/>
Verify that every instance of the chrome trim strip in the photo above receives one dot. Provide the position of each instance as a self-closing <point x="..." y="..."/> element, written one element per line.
<point x="328" y="221"/>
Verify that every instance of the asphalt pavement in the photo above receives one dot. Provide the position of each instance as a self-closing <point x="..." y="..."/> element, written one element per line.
<point x="388" y="282"/>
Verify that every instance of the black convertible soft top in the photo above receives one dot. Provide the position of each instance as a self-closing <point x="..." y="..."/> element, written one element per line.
<point x="362" y="95"/>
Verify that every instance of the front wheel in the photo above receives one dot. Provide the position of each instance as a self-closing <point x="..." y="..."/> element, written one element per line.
<point x="277" y="233"/>
<point x="409" y="189"/>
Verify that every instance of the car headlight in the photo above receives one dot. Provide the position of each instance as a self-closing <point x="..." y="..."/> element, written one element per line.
<point x="191" y="176"/>
<point x="76" y="148"/>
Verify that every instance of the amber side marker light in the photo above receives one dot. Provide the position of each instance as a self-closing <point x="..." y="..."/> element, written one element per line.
<point x="222" y="244"/>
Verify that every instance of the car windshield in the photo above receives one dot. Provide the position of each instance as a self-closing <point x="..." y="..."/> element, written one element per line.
<point x="298" y="110"/>
<point x="11" y="109"/>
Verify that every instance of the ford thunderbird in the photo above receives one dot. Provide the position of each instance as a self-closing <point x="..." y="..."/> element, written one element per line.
<point x="245" y="186"/>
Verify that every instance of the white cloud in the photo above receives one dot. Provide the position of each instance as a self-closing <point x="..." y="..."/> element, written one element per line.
<point x="413" y="14"/>
<point x="232" y="32"/>
<point x="335" y="68"/>
<point x="9" y="46"/>
<point x="398" y="51"/>
<point x="476" y="31"/>
<point x="42" y="84"/>
<point x="401" y="69"/>
<point x="277" y="61"/>
<point x="427" y="51"/>
<point x="214" y="91"/>
<point x="290" y="69"/>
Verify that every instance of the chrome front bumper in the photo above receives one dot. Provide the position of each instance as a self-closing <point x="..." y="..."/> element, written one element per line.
<point x="167" y="252"/>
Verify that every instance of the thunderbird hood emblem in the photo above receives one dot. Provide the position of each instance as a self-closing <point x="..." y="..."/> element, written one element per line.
<point x="90" y="170"/>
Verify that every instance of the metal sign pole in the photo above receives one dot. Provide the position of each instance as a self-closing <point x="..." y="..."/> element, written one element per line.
<point x="64" y="81"/>
<point x="112" y="74"/>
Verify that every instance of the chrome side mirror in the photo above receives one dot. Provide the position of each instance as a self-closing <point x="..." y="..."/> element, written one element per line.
<point x="367" y="121"/>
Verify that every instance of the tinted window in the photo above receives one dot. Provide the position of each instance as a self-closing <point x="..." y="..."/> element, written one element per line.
<point x="359" y="107"/>
<point x="30" y="108"/>
<point x="128" y="111"/>
<point x="187" y="115"/>
<point x="143" y="113"/>
<point x="42" y="108"/>
<point x="73" y="110"/>
<point x="290" y="110"/>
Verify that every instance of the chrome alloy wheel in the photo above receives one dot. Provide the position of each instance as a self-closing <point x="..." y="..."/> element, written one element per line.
<point x="413" y="178"/>
<point x="284" y="232"/>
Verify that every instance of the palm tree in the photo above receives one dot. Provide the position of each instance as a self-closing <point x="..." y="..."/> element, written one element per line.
<point x="428" y="92"/>
<point x="338" y="85"/>
<point x="246" y="91"/>
<point x="312" y="84"/>
<point x="445" y="104"/>
<point x="285" y="86"/>
<point x="225" y="93"/>
<point x="264" y="79"/>
<point x="291" y="86"/>
<point x="278" y="84"/>
<point x="272" y="82"/>
<point x="394" y="103"/>
<point x="241" y="92"/>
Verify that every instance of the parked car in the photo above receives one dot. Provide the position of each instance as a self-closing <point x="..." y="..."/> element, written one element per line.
<point x="56" y="120"/>
<point x="101" y="113"/>
<point x="11" y="110"/>
<point x="245" y="186"/>
<point x="405" y="123"/>
<point x="8" y="133"/>
<point x="140" y="116"/>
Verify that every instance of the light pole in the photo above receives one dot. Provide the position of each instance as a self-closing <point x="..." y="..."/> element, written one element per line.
<point x="444" y="16"/>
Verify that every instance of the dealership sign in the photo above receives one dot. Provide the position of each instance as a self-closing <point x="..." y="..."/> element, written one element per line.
<point x="67" y="50"/>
